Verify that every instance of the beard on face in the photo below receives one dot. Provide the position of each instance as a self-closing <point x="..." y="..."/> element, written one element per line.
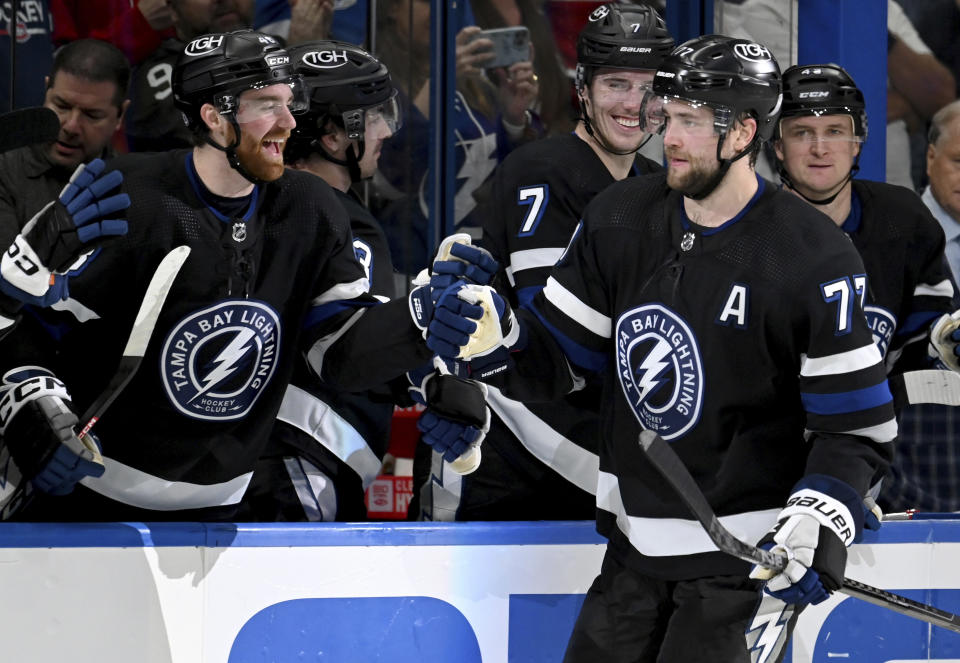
<point x="251" y="156"/>
<point x="699" y="174"/>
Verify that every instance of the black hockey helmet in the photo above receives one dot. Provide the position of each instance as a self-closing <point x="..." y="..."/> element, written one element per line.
<point x="732" y="76"/>
<point x="622" y="36"/>
<point x="216" y="68"/>
<point x="343" y="83"/>
<point x="823" y="89"/>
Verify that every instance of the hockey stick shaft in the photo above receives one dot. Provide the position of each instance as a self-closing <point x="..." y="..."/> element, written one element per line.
<point x="140" y="333"/>
<point x="937" y="387"/>
<point x="672" y="469"/>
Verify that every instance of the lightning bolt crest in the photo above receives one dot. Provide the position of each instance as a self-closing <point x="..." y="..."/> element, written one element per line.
<point x="651" y="368"/>
<point x="226" y="361"/>
<point x="770" y="624"/>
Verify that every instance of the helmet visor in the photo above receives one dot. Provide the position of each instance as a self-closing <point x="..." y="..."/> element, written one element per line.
<point x="819" y="128"/>
<point x="361" y="120"/>
<point x="693" y="118"/>
<point x="272" y="100"/>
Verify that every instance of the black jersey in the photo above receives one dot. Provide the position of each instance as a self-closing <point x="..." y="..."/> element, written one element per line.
<point x="257" y="289"/>
<point x="152" y="122"/>
<point x="344" y="435"/>
<point x="744" y="346"/>
<point x="534" y="203"/>
<point x="908" y="278"/>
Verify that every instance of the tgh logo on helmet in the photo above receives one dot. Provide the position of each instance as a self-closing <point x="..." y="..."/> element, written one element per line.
<point x="204" y="44"/>
<point x="752" y="52"/>
<point x="325" y="59"/>
<point x="599" y="13"/>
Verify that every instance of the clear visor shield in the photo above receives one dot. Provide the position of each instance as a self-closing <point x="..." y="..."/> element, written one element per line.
<point x="272" y="100"/>
<point x="374" y="121"/>
<point x="832" y="129"/>
<point x="689" y="117"/>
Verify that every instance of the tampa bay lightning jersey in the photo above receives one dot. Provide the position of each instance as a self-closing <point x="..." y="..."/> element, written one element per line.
<point x="744" y="346"/>
<point x="258" y="288"/>
<point x="909" y="284"/>
<point x="529" y="212"/>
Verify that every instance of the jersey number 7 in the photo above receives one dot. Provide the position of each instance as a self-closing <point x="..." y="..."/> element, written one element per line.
<point x="535" y="197"/>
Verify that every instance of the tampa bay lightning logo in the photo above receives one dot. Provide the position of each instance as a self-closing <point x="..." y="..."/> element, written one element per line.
<point x="216" y="362"/>
<point x="882" y="324"/>
<point x="658" y="362"/>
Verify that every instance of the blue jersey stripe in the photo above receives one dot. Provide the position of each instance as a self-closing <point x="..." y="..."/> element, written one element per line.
<point x="576" y="353"/>
<point x="322" y="313"/>
<point x="917" y="321"/>
<point x="847" y="401"/>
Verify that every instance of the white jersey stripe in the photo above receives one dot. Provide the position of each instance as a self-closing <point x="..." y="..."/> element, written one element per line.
<point x="126" y="484"/>
<point x="942" y="289"/>
<point x="576" y="310"/>
<point x="885" y="432"/>
<point x="308" y="413"/>
<point x="666" y="537"/>
<point x="843" y="362"/>
<point x="342" y="291"/>
<point x="533" y="258"/>
<point x="571" y="461"/>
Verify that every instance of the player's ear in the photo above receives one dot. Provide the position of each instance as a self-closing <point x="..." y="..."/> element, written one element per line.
<point x="778" y="149"/>
<point x="211" y="117"/>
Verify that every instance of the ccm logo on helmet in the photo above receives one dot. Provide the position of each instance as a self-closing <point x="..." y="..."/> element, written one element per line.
<point x="816" y="94"/>
<point x="203" y="45"/>
<point x="752" y="52"/>
<point x="598" y="13"/>
<point x="277" y="60"/>
<point x="325" y="59"/>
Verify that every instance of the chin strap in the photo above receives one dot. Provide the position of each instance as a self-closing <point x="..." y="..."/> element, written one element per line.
<point x="787" y="182"/>
<point x="725" y="164"/>
<point x="231" y="152"/>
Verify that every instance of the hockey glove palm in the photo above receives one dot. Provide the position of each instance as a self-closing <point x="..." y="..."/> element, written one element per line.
<point x="945" y="341"/>
<point x="38" y="428"/>
<point x="35" y="267"/>
<point x="457" y="259"/>
<point x="813" y="532"/>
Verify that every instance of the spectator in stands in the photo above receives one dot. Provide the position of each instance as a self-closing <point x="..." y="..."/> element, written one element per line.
<point x="136" y="27"/>
<point x="153" y="123"/>
<point x="296" y="21"/>
<point x="34" y="54"/>
<point x="942" y="196"/>
<point x="87" y="89"/>
<point x="488" y="122"/>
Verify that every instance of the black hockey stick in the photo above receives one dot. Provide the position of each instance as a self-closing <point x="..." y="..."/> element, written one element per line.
<point x="938" y="387"/>
<point x="669" y="465"/>
<point x="140" y="333"/>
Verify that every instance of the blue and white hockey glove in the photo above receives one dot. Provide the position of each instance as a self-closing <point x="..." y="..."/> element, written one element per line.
<point x="35" y="268"/>
<point x="458" y="260"/>
<point x="944" y="346"/>
<point x="822" y="518"/>
<point x="457" y="418"/>
<point x="38" y="428"/>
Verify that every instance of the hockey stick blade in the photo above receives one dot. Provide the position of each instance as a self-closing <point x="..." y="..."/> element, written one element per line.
<point x="938" y="387"/>
<point x="672" y="469"/>
<point x="140" y="333"/>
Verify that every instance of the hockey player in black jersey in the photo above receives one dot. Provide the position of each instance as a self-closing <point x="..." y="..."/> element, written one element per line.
<point x="272" y="276"/>
<point x="540" y="460"/>
<point x="822" y="127"/>
<point x="328" y="445"/>
<point x="725" y="315"/>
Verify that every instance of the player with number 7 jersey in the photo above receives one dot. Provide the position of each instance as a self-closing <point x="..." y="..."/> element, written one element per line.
<point x="540" y="459"/>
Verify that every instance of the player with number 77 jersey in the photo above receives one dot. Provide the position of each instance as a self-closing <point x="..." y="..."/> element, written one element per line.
<point x="723" y="314"/>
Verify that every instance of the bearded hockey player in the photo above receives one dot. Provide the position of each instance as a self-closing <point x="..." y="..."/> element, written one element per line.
<point x="272" y="276"/>
<point x="540" y="460"/>
<point x="723" y="314"/>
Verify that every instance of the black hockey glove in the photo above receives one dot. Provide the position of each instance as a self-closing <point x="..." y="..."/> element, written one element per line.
<point x="457" y="418"/>
<point x="38" y="429"/>
<point x="35" y="268"/>
<point x="822" y="517"/>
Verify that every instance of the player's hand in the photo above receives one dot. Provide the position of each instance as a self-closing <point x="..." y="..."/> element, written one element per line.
<point x="38" y="429"/>
<point x="472" y="321"/>
<point x="35" y="268"/>
<point x="813" y="532"/>
<point x="945" y="341"/>
<point x="456" y="419"/>
<point x="458" y="259"/>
